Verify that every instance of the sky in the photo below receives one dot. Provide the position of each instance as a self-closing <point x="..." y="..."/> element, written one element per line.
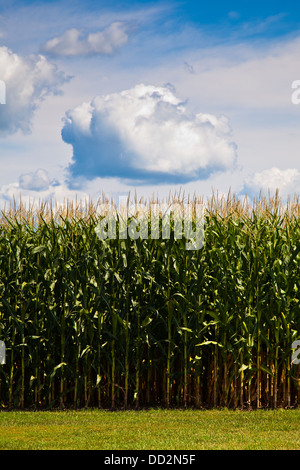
<point x="152" y="97"/>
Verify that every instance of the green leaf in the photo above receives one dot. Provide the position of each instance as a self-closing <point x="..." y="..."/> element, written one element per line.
<point x="184" y="328"/>
<point x="146" y="321"/>
<point x="99" y="377"/>
<point x="38" y="249"/>
<point x="213" y="315"/>
<point x="205" y="343"/>
<point x="267" y="370"/>
<point x="56" y="368"/>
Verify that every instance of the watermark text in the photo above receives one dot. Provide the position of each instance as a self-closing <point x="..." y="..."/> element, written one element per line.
<point x="155" y="221"/>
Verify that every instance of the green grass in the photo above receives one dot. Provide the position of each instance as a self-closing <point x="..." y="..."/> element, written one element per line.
<point x="150" y="430"/>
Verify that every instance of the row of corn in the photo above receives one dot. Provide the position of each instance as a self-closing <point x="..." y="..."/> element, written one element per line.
<point x="119" y="323"/>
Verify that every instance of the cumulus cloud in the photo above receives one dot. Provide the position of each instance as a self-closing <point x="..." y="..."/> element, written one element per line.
<point x="28" y="81"/>
<point x="287" y="182"/>
<point x="73" y="42"/>
<point x="35" y="181"/>
<point x="33" y="185"/>
<point x="58" y="192"/>
<point x="30" y="191"/>
<point x="146" y="134"/>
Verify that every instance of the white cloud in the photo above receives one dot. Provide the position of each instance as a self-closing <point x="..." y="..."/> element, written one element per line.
<point x="35" y="181"/>
<point x="287" y="182"/>
<point x="73" y="42"/>
<point x="146" y="133"/>
<point x="56" y="192"/>
<point x="28" y="81"/>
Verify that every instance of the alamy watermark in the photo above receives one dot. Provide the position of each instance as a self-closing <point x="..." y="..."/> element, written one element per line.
<point x="2" y="92"/>
<point x="137" y="220"/>
<point x="295" y="98"/>
<point x="296" y="353"/>
<point x="2" y="353"/>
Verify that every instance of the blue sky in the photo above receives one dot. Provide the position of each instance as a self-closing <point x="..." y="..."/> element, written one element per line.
<point x="119" y="96"/>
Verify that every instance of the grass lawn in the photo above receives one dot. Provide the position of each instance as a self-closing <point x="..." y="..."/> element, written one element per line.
<point x="150" y="430"/>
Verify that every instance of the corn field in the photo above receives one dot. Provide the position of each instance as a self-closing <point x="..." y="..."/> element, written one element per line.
<point x="123" y="323"/>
